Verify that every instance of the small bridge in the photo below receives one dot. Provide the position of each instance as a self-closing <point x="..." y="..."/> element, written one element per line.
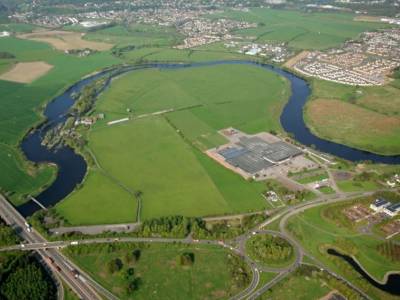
<point x="37" y="202"/>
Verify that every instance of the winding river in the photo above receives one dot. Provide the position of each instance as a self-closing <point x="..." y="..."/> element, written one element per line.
<point x="72" y="167"/>
<point x="392" y="284"/>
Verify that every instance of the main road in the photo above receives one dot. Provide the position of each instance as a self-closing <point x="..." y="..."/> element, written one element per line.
<point x="59" y="264"/>
<point x="87" y="288"/>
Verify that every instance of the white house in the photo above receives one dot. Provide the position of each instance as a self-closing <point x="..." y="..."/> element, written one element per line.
<point x="379" y="204"/>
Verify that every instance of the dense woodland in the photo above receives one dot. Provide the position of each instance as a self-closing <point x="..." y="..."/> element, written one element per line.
<point x="22" y="267"/>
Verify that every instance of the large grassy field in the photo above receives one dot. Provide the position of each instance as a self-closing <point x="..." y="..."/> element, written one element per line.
<point x="159" y="272"/>
<point x="362" y="117"/>
<point x="137" y="35"/>
<point x="317" y="233"/>
<point x="299" y="29"/>
<point x="161" y="156"/>
<point x="20" y="104"/>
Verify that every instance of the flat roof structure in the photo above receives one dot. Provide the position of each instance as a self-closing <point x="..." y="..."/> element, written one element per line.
<point x="394" y="208"/>
<point x="253" y="154"/>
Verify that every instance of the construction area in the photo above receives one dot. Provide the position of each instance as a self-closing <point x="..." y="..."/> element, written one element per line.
<point x="258" y="156"/>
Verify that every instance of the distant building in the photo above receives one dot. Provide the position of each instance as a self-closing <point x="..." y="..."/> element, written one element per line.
<point x="84" y="121"/>
<point x="379" y="204"/>
<point x="392" y="210"/>
<point x="4" y="34"/>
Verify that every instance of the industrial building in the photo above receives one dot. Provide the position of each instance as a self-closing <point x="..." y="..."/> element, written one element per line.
<point x="253" y="154"/>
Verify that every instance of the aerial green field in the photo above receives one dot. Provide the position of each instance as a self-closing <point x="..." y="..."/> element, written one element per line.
<point x="161" y="156"/>
<point x="299" y="29"/>
<point x="112" y="202"/>
<point x="308" y="283"/>
<point x="159" y="273"/>
<point x="177" y="55"/>
<point x="20" y="177"/>
<point x="317" y="233"/>
<point x="369" y="116"/>
<point x="136" y="34"/>
<point x="21" y="104"/>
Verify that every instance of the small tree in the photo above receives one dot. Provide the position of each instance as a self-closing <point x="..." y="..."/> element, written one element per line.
<point x="187" y="259"/>
<point x="114" y="265"/>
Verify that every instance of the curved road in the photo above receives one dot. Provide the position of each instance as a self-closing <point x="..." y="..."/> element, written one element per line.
<point x="87" y="288"/>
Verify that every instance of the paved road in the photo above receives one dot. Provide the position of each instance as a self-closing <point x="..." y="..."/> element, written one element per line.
<point x="86" y="286"/>
<point x="96" y="229"/>
<point x="55" y="262"/>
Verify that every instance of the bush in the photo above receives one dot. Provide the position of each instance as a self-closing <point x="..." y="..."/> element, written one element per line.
<point x="115" y="265"/>
<point x="186" y="259"/>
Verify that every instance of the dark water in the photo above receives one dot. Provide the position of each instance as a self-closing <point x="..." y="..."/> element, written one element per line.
<point x="72" y="167"/>
<point x="392" y="285"/>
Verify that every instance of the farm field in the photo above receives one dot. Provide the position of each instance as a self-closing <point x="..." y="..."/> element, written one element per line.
<point x="159" y="272"/>
<point x="20" y="110"/>
<point x="379" y="104"/>
<point x="112" y="202"/>
<point x="139" y="153"/>
<point x="26" y="72"/>
<point x="65" y="40"/>
<point x="353" y="125"/>
<point x="317" y="233"/>
<point x="300" y="30"/>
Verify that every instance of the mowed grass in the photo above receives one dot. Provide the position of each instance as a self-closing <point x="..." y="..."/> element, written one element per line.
<point x="111" y="202"/>
<point x="148" y="155"/>
<point x="354" y="126"/>
<point x="161" y="275"/>
<point x="21" y="104"/>
<point x="246" y="97"/>
<point x="299" y="29"/>
<point x="162" y="157"/>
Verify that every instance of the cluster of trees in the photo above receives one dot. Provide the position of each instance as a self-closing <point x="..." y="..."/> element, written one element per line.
<point x="240" y="273"/>
<point x="6" y="55"/>
<point x="116" y="265"/>
<point x="87" y="97"/>
<point x="172" y="226"/>
<point x="7" y="235"/>
<point x="225" y="229"/>
<point x="24" y="278"/>
<point x="268" y="248"/>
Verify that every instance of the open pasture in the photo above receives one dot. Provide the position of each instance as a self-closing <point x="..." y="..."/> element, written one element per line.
<point x="20" y="103"/>
<point x="160" y="273"/>
<point x="135" y="35"/>
<point x="161" y="157"/>
<point x="65" y="40"/>
<point x="299" y="29"/>
<point x="353" y="125"/>
<point x="26" y="72"/>
<point x="181" y="55"/>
